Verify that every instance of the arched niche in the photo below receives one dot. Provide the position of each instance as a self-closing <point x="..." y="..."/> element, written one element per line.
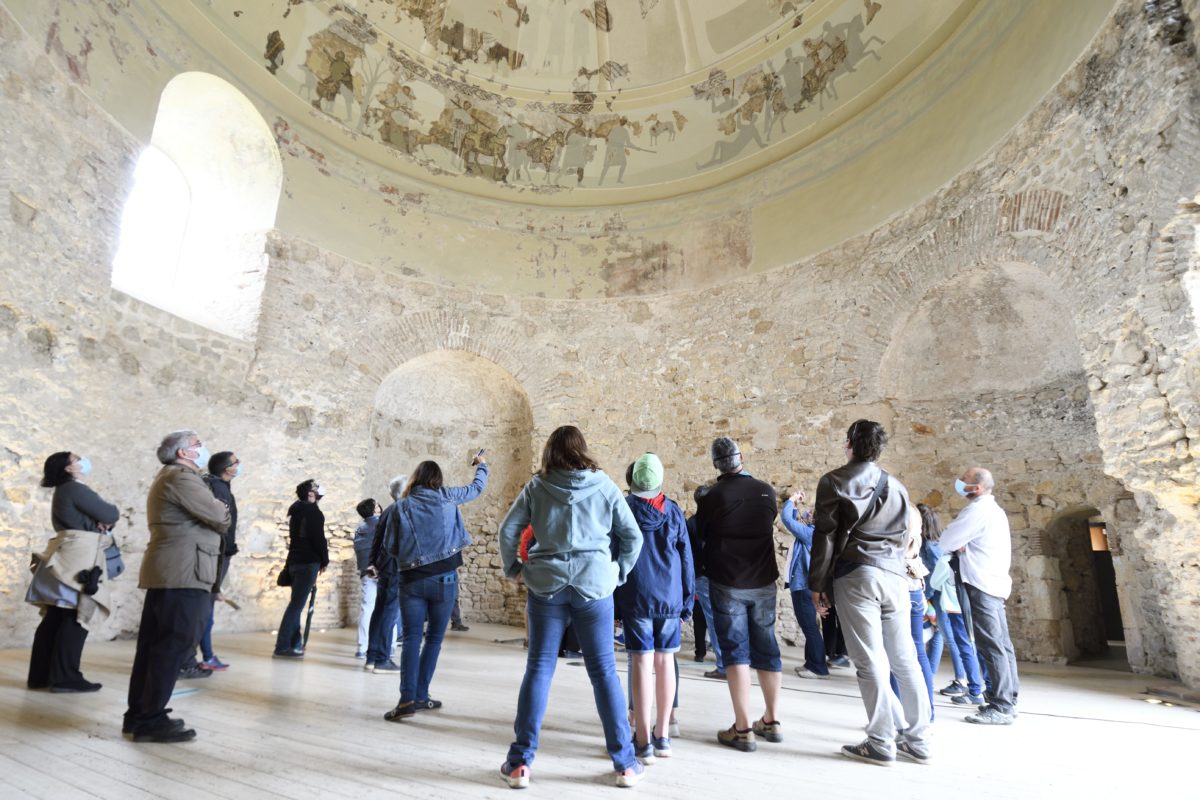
<point x="999" y="329"/>
<point x="205" y="193"/>
<point x="445" y="406"/>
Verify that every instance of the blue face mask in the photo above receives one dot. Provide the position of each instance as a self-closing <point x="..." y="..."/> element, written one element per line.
<point x="85" y="465"/>
<point x="237" y="473"/>
<point x="201" y="459"/>
<point x="960" y="487"/>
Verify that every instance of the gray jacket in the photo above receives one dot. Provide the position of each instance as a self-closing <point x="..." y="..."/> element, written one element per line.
<point x="843" y="496"/>
<point x="186" y="523"/>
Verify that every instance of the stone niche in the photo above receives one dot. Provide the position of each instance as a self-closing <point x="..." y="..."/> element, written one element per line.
<point x="444" y="406"/>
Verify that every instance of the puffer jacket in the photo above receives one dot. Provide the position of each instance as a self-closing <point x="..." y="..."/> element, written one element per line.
<point x="585" y="535"/>
<point x="186" y="525"/>
<point x="662" y="584"/>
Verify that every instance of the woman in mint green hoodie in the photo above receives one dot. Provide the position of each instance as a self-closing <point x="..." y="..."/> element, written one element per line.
<point x="586" y="541"/>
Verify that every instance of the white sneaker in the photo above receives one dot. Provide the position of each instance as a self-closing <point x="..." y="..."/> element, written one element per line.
<point x="805" y="672"/>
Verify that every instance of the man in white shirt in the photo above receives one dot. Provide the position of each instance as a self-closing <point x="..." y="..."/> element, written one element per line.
<point x="981" y="535"/>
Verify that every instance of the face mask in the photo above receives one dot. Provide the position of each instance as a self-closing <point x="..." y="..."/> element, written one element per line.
<point x="237" y="473"/>
<point x="960" y="487"/>
<point x="201" y="459"/>
<point x="319" y="490"/>
<point x="85" y="465"/>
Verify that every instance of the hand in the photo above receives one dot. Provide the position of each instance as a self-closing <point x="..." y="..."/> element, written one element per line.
<point x="372" y="572"/>
<point x="477" y="460"/>
<point x="797" y="497"/>
<point x="807" y="517"/>
<point x="821" y="601"/>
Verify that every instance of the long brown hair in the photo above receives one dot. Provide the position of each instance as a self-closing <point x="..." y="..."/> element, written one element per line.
<point x="931" y="526"/>
<point x="427" y="474"/>
<point x="566" y="449"/>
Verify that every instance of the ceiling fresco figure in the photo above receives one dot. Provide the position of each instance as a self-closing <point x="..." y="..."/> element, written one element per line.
<point x="618" y="144"/>
<point x="274" y="51"/>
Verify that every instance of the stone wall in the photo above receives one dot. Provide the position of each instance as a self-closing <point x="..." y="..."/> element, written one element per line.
<point x="1086" y="192"/>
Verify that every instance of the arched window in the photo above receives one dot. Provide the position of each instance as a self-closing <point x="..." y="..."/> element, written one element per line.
<point x="204" y="197"/>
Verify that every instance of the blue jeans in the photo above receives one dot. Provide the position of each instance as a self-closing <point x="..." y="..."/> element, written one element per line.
<point x="381" y="631"/>
<point x="916" y="621"/>
<point x="206" y="648"/>
<point x="304" y="578"/>
<point x="593" y="624"/>
<point x="424" y="600"/>
<point x="705" y="600"/>
<point x="814" y="642"/>
<point x="746" y="626"/>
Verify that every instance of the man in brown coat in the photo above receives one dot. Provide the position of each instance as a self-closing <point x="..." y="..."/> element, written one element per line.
<point x="178" y="573"/>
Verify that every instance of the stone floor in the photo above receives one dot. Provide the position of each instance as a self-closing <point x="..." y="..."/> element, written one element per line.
<point x="270" y="728"/>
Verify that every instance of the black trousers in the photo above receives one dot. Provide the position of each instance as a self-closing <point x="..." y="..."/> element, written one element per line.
<point x="831" y="632"/>
<point x="57" y="649"/>
<point x="172" y="622"/>
<point x="699" y="630"/>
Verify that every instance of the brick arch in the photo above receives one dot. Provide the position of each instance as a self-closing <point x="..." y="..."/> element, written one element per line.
<point x="1040" y="228"/>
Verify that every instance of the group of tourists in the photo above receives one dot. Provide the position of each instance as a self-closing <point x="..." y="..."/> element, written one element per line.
<point x="588" y="554"/>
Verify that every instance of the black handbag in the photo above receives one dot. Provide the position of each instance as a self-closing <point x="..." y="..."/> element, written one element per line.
<point x="284" y="578"/>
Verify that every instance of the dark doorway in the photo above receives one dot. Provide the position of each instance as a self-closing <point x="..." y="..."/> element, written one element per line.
<point x="1106" y="582"/>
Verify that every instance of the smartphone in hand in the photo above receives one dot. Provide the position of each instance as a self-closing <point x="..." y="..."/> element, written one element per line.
<point x="478" y="459"/>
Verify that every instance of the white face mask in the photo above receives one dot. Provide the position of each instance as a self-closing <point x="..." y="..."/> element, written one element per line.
<point x="319" y="490"/>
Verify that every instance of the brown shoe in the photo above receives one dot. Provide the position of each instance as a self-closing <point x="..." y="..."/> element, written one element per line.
<point x="738" y="740"/>
<point x="715" y="673"/>
<point x="770" y="731"/>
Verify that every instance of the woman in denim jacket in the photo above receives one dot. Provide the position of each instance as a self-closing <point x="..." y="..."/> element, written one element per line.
<point x="586" y="542"/>
<point x="426" y="529"/>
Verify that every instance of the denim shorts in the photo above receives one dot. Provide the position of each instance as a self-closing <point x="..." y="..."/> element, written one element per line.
<point x="745" y="623"/>
<point x="643" y="635"/>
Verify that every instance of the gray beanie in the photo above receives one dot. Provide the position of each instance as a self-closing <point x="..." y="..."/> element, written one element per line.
<point x="725" y="454"/>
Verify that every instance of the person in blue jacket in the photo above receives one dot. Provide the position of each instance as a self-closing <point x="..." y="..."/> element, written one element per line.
<point x="429" y="535"/>
<point x="653" y="602"/>
<point x="586" y="541"/>
<point x="800" y="526"/>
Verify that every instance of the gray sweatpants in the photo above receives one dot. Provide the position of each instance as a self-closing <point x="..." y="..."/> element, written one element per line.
<point x="873" y="607"/>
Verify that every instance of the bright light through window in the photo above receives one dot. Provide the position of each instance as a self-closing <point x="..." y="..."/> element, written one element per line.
<point x="205" y="194"/>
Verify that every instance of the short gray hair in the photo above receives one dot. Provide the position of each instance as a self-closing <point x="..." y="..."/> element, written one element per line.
<point x="725" y="454"/>
<point x="396" y="486"/>
<point x="173" y="442"/>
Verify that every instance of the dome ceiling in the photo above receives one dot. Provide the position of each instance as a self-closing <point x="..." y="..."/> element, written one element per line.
<point x="589" y="101"/>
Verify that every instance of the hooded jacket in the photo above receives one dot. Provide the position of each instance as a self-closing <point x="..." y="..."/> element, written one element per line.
<point x="662" y="583"/>
<point x="843" y="497"/>
<point x="585" y="536"/>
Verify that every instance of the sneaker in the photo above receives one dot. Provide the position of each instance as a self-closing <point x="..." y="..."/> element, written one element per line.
<point x="401" y="711"/>
<point x="738" y="740"/>
<point x="631" y="775"/>
<point x="911" y="752"/>
<point x="865" y="751"/>
<point x="387" y="666"/>
<point x="662" y="746"/>
<point x="428" y="704"/>
<point x="990" y="715"/>
<point x="619" y="640"/>
<point x="284" y="654"/>
<point x="967" y="700"/>
<point x="517" y="775"/>
<point x="368" y="667"/>
<point x="805" y="672"/>
<point x="718" y="674"/>
<point x="644" y="753"/>
<point x="954" y="689"/>
<point x="770" y="731"/>
<point x="460" y="627"/>
<point x="214" y="664"/>
<point x="841" y="662"/>
<point x="672" y="728"/>
<point x="188" y="673"/>
<point x="360" y="653"/>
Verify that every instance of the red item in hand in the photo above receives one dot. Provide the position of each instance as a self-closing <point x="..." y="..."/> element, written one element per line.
<point x="526" y="540"/>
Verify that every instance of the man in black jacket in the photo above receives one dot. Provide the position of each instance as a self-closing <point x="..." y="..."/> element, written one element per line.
<point x="861" y="524"/>
<point x="736" y="521"/>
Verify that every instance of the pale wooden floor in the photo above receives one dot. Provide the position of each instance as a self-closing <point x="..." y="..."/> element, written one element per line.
<point x="270" y="729"/>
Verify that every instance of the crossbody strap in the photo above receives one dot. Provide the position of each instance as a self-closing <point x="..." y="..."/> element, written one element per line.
<point x="883" y="476"/>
